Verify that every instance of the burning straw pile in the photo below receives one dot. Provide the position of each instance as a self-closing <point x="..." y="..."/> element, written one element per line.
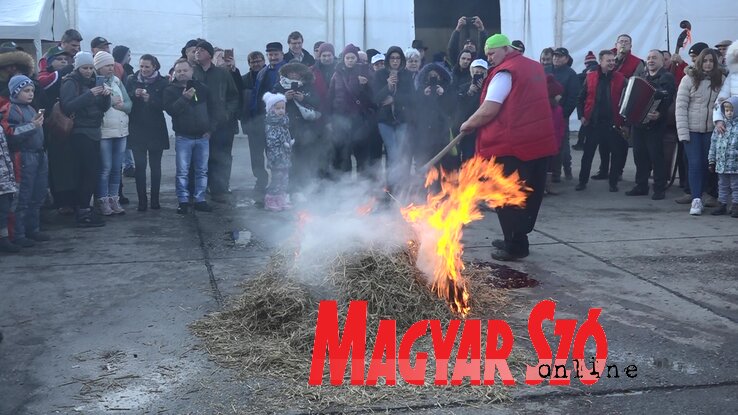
<point x="267" y="333"/>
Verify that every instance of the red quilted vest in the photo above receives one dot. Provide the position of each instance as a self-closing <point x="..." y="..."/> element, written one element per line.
<point x="617" y="84"/>
<point x="524" y="126"/>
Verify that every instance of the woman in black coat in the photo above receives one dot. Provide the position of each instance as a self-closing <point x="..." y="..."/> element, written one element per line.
<point x="147" y="127"/>
<point x="81" y="97"/>
<point x="435" y="100"/>
<point x="309" y="156"/>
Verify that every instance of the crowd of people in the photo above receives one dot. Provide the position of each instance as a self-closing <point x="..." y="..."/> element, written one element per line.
<point x="74" y="125"/>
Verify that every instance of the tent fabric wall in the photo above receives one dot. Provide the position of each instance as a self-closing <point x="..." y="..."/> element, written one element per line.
<point x="581" y="25"/>
<point x="162" y="28"/>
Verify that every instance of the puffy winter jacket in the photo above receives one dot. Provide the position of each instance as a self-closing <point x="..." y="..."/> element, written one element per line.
<point x="730" y="86"/>
<point x="694" y="107"/>
<point x="115" y="121"/>
<point x="88" y="109"/>
<point x="7" y="177"/>
<point x="724" y="147"/>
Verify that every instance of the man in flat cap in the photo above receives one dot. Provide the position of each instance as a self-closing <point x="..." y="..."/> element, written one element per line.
<point x="266" y="79"/>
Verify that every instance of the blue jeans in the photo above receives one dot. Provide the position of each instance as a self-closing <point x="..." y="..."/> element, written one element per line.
<point x="195" y="151"/>
<point x="397" y="147"/>
<point x="696" y="150"/>
<point x="34" y="180"/>
<point x="111" y="163"/>
<point x="128" y="161"/>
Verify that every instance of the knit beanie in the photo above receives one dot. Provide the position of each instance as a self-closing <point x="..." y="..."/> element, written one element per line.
<point x="119" y="53"/>
<point x="350" y="48"/>
<point x="271" y="99"/>
<point x="103" y="58"/>
<point x="496" y="41"/>
<point x="204" y="44"/>
<point x="83" y="58"/>
<point x="326" y="47"/>
<point x="17" y="83"/>
<point x="697" y="48"/>
<point x="590" y="58"/>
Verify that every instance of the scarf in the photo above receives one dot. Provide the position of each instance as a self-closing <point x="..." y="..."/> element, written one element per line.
<point x="286" y="83"/>
<point x="148" y="80"/>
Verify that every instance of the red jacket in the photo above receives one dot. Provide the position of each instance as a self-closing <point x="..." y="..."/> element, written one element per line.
<point x="629" y="65"/>
<point x="524" y="126"/>
<point x="617" y="84"/>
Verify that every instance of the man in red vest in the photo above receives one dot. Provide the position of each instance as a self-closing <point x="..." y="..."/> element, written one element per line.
<point x="598" y="101"/>
<point x="514" y="124"/>
<point x="625" y="62"/>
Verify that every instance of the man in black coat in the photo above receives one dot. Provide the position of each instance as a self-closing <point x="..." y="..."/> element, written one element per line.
<point x="296" y="52"/>
<point x="226" y="96"/>
<point x="648" y="144"/>
<point x="569" y="80"/>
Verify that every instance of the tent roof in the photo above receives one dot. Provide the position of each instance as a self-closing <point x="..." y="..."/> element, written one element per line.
<point x="32" y="19"/>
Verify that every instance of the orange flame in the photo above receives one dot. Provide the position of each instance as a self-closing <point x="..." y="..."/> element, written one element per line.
<point x="439" y="222"/>
<point x="367" y="207"/>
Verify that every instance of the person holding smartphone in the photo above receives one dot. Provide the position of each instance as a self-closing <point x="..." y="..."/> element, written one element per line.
<point x="148" y="130"/>
<point x="26" y="143"/>
<point x="296" y="83"/>
<point x="88" y="103"/>
<point x="351" y="103"/>
<point x="114" y="135"/>
<point x="468" y="95"/>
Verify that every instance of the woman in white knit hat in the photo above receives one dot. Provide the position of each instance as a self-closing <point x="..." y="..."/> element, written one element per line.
<point x="113" y="136"/>
<point x="88" y="103"/>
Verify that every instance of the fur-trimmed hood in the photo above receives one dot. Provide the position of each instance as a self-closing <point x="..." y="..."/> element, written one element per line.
<point x="22" y="60"/>
<point x="422" y="78"/>
<point x="306" y="75"/>
<point x="731" y="57"/>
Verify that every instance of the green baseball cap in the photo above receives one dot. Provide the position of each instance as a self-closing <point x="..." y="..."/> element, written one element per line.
<point x="497" y="41"/>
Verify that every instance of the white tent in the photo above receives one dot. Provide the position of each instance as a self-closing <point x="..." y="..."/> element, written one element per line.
<point x="163" y="27"/>
<point x="581" y="25"/>
<point x="36" y="20"/>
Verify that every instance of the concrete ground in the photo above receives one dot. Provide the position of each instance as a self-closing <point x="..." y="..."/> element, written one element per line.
<point x="95" y="321"/>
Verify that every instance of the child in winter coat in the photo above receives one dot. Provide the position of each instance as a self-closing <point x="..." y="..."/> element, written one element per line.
<point x="7" y="191"/>
<point x="723" y="158"/>
<point x="26" y="143"/>
<point x="279" y="151"/>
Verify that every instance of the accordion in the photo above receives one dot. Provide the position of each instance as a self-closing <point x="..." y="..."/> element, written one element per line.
<point x="638" y="99"/>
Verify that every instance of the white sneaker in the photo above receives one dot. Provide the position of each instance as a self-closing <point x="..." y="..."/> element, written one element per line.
<point x="696" y="208"/>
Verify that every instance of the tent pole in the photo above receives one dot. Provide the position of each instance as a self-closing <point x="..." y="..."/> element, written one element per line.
<point x="668" y="39"/>
<point x="559" y="30"/>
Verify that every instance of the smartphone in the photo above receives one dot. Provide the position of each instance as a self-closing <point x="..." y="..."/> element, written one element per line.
<point x="41" y="111"/>
<point x="476" y="78"/>
<point x="99" y="80"/>
<point x="470" y="19"/>
<point x="295" y="86"/>
<point x="433" y="81"/>
<point x="189" y="84"/>
<point x="228" y="54"/>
